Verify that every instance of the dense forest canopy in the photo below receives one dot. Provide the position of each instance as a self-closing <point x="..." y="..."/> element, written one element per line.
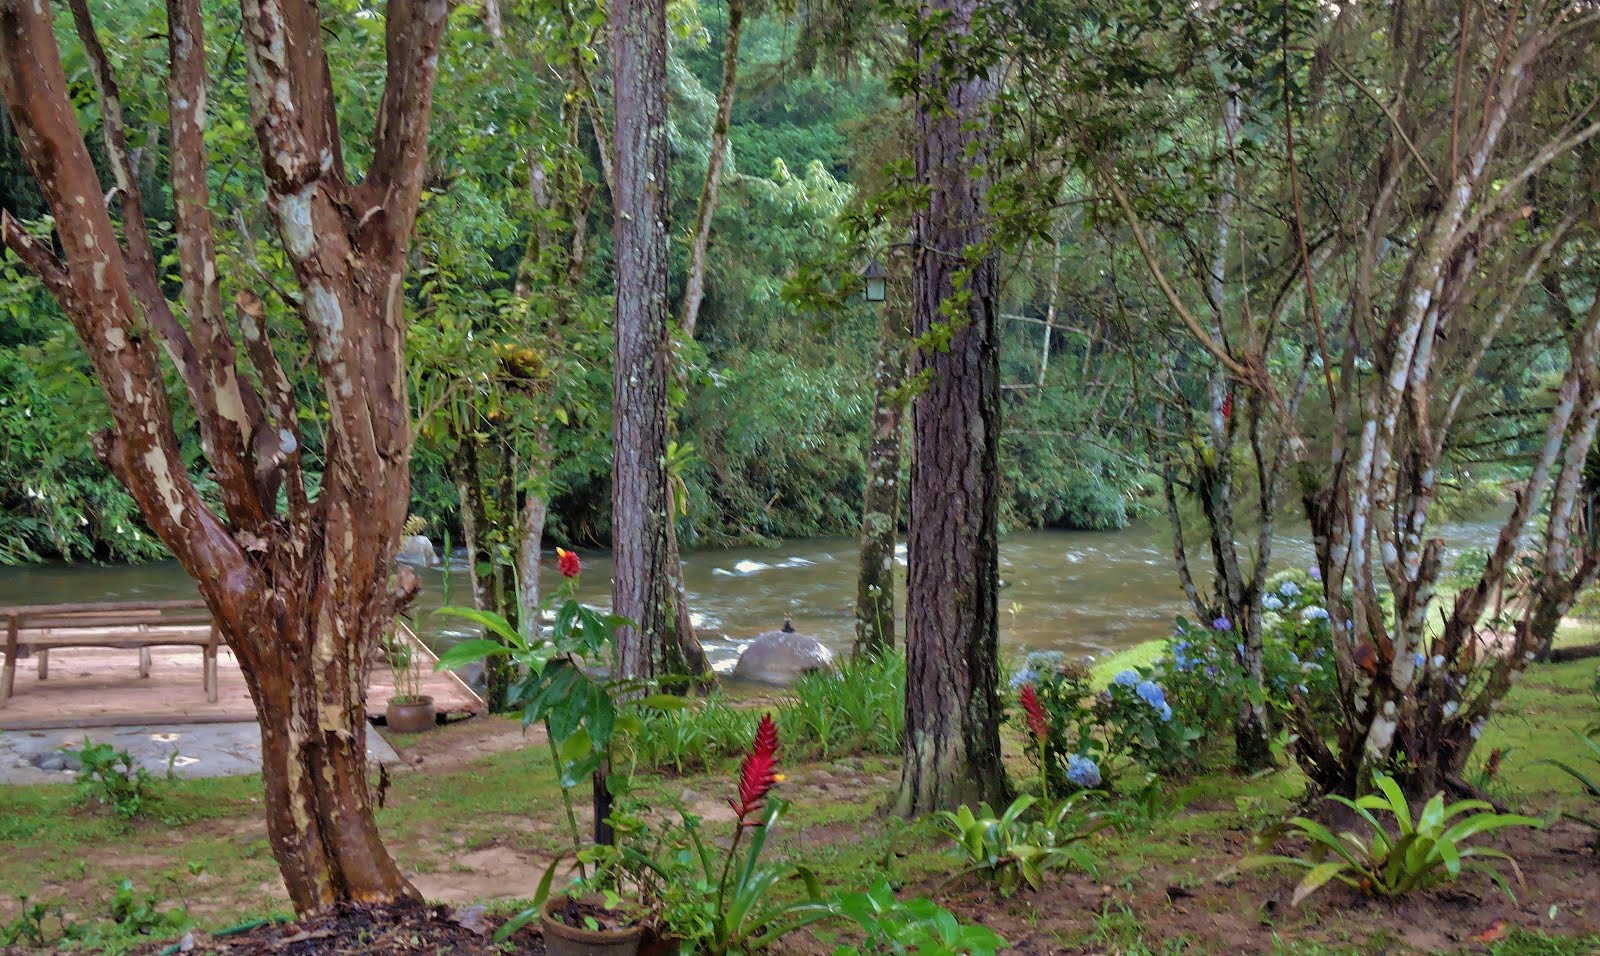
<point x="777" y="415"/>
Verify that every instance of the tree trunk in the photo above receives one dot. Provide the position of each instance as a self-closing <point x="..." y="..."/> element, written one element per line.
<point x="695" y="287"/>
<point x="880" y="511"/>
<point x="951" y="744"/>
<point x="299" y="587"/>
<point x="314" y="755"/>
<point x="640" y="518"/>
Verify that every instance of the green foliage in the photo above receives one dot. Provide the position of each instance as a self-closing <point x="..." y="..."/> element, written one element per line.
<point x="110" y="778"/>
<point x="861" y="709"/>
<point x="895" y="927"/>
<point x="1427" y="851"/>
<point x="1128" y="724"/>
<point x="1588" y="780"/>
<point x="1011" y="851"/>
<point x="133" y="920"/>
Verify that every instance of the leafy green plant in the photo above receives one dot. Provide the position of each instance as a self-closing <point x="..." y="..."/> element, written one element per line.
<point x="28" y="926"/>
<point x="859" y="709"/>
<point x="1588" y="780"/>
<point x="1012" y="851"/>
<point x="902" y="927"/>
<point x="110" y="778"/>
<point x="1429" y="850"/>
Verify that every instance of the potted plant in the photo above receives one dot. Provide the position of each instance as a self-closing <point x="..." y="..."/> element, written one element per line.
<point x="410" y="711"/>
<point x="556" y="686"/>
<point x="589" y="926"/>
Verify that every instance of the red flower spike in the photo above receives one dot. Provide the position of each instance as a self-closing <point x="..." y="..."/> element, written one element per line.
<point x="568" y="563"/>
<point x="1038" y="723"/>
<point x="1227" y="405"/>
<point x="758" y="773"/>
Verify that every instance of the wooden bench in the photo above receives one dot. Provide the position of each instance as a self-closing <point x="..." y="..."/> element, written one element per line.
<point x="136" y="625"/>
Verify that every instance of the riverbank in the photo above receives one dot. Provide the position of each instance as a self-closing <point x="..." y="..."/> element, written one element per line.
<point x="474" y="817"/>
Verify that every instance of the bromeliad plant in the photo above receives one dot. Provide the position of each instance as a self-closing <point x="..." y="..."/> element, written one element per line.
<point x="716" y="900"/>
<point x="894" y="927"/>
<point x="1429" y="850"/>
<point x="1011" y="851"/>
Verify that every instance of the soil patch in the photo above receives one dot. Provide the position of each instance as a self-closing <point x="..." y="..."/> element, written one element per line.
<point x="400" y="930"/>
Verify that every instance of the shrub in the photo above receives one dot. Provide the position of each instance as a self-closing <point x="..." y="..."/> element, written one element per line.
<point x="110" y="778"/>
<point x="861" y="709"/>
<point x="895" y="927"/>
<point x="1429" y="850"/>
<point x="1085" y="733"/>
<point x="1011" y="851"/>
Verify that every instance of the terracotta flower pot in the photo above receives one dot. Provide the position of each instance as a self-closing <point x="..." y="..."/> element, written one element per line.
<point x="411" y="715"/>
<point x="563" y="940"/>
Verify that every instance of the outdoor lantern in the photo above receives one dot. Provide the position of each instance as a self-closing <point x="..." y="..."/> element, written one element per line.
<point x="876" y="277"/>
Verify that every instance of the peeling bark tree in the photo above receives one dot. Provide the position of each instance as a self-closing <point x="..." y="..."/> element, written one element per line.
<point x="951" y="743"/>
<point x="640" y="502"/>
<point x="300" y="586"/>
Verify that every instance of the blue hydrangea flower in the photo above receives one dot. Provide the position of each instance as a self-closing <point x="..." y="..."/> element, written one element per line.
<point x="1222" y="623"/>
<point x="1044" y="660"/>
<point x="1083" y="771"/>
<point x="1165" y="710"/>
<point x="1026" y="675"/>
<point x="1181" y="659"/>
<point x="1151" y="693"/>
<point x="1127" y="678"/>
<point x="1272" y="602"/>
<point x="1417" y="660"/>
<point x="1316" y="573"/>
<point x="1314" y="613"/>
<point x="1289" y="589"/>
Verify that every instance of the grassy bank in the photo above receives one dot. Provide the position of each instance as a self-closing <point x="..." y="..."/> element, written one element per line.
<point x="476" y="816"/>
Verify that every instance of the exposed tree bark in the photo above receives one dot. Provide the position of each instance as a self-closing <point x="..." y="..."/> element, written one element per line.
<point x="880" y="509"/>
<point x="951" y="743"/>
<point x="640" y="517"/>
<point x="302" y="596"/>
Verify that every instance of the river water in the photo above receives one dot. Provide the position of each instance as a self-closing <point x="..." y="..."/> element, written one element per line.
<point x="1085" y="593"/>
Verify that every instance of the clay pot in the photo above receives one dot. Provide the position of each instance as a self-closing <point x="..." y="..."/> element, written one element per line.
<point x="563" y="940"/>
<point x="412" y="715"/>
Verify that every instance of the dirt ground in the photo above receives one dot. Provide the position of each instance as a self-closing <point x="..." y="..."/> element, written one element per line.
<point x="1154" y="892"/>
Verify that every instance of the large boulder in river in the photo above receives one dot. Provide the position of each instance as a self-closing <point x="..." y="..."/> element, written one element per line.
<point x="782" y="657"/>
<point x="417" y="549"/>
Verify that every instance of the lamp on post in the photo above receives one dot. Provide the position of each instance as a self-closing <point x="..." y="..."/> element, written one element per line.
<point x="876" y="278"/>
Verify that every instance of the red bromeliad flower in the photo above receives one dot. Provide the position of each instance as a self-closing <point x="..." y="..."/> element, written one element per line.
<point x="757" y="773"/>
<point x="568" y="563"/>
<point x="1038" y="724"/>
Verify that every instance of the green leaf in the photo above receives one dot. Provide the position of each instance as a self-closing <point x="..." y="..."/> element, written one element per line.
<point x="1315" y="880"/>
<point x="469" y="652"/>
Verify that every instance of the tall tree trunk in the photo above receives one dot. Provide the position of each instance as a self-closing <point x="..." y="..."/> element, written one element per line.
<point x="880" y="511"/>
<point x="695" y="288"/>
<point x="300" y="588"/>
<point x="951" y="743"/>
<point x="640" y="518"/>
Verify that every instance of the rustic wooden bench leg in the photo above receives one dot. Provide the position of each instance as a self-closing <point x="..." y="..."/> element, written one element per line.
<point x="44" y="663"/>
<point x="8" y="675"/>
<point x="144" y="663"/>
<point x="211" y="667"/>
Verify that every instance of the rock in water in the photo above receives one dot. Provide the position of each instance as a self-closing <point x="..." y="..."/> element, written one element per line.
<point x="781" y="657"/>
<point x="417" y="549"/>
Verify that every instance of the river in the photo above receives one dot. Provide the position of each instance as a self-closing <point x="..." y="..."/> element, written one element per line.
<point x="1082" y="592"/>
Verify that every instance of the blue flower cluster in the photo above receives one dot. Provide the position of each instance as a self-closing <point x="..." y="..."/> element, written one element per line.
<point x="1222" y="623"/>
<point x="1035" y="666"/>
<point x="1289" y="589"/>
<point x="1083" y="771"/>
<point x="1182" y="660"/>
<point x="1127" y="678"/>
<point x="1151" y="693"/>
<point x="1314" y="613"/>
<point x="1272" y="602"/>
